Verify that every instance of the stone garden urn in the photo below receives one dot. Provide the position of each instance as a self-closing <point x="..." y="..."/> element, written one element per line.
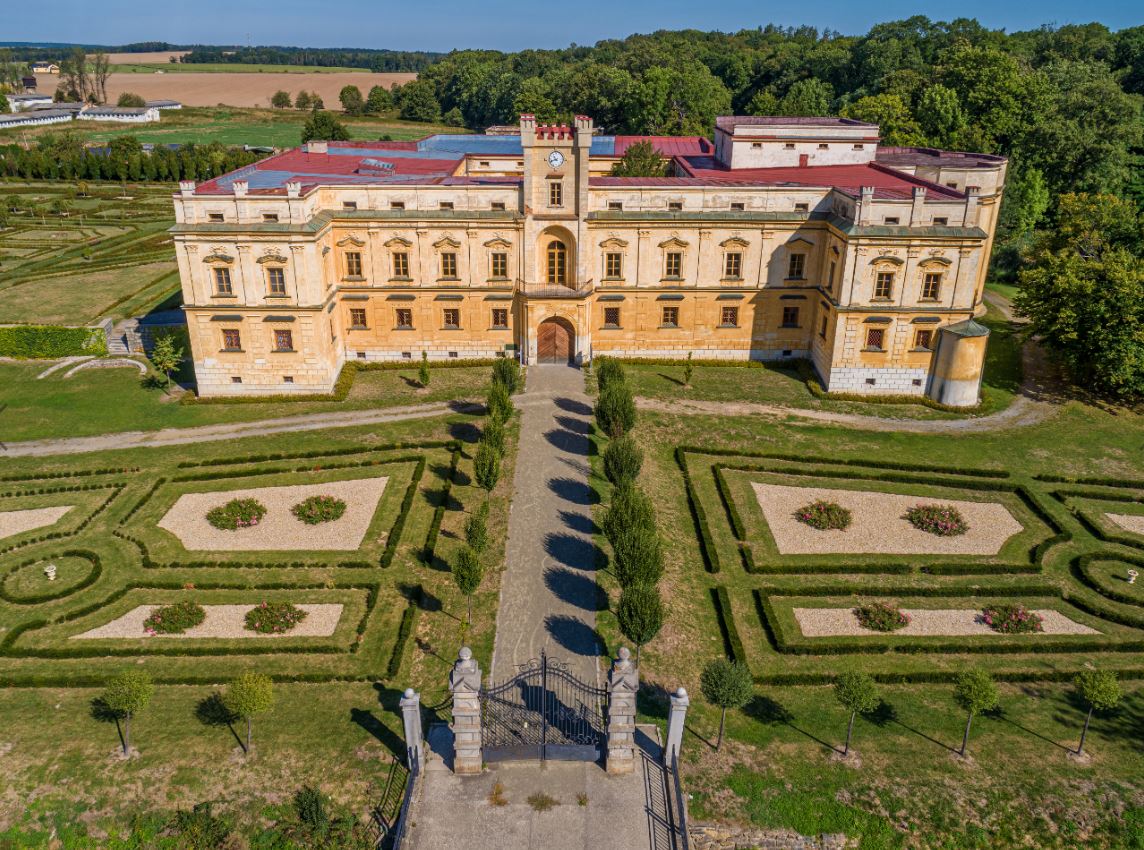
<point x="50" y="572"/>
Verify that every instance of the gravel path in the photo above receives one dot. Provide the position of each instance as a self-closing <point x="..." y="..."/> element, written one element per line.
<point x="279" y="530"/>
<point x="222" y="621"/>
<point x="17" y="522"/>
<point x="1129" y="522"/>
<point x="933" y="622"/>
<point x="877" y="525"/>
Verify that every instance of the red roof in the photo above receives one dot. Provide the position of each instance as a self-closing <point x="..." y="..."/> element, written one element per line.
<point x="668" y="145"/>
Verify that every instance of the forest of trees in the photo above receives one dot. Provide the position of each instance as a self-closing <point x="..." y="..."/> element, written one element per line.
<point x="374" y="60"/>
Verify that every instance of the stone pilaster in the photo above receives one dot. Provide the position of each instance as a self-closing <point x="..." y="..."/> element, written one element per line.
<point x="623" y="683"/>
<point x="675" y="720"/>
<point x="465" y="685"/>
<point x="414" y="740"/>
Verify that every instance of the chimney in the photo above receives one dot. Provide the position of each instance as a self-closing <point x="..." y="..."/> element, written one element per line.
<point x="865" y="203"/>
<point x="584" y="131"/>
<point x="187" y="188"/>
<point x="293" y="189"/>
<point x="317" y="147"/>
<point x="916" y="209"/>
<point x="240" y="187"/>
<point x="972" y="205"/>
<point x="527" y="128"/>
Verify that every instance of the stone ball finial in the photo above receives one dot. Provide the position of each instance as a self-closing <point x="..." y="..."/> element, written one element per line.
<point x="408" y="693"/>
<point x="465" y="654"/>
<point x="624" y="653"/>
<point x="682" y="692"/>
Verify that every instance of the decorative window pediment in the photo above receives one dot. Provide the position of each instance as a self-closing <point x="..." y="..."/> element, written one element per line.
<point x="351" y="239"/>
<point x="613" y="242"/>
<point x="218" y="255"/>
<point x="398" y="242"/>
<point x="795" y="242"/>
<point x="735" y="242"/>
<point x="498" y="242"/>
<point x="272" y="256"/>
<point x="446" y="242"/>
<point x="888" y="259"/>
<point x="935" y="261"/>
<point x="673" y="244"/>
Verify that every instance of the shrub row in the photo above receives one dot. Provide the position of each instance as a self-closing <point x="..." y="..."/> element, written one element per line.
<point x="351" y="450"/>
<point x="221" y="475"/>
<point x="1101" y="533"/>
<point x="439" y="512"/>
<point x="91" y="578"/>
<point x="342" y="385"/>
<point x="833" y="461"/>
<point x="405" y="630"/>
<point x="81" y="473"/>
<point x="36" y="342"/>
<point x="698" y="514"/>
<point x="1082" y="569"/>
<point x="116" y="489"/>
<point x="732" y="643"/>
<point x="941" y="677"/>
<point x="1131" y="483"/>
<point x="399" y="524"/>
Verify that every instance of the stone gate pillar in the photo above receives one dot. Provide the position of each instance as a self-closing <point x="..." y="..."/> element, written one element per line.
<point x="623" y="683"/>
<point x="465" y="685"/>
<point x="414" y="740"/>
<point x="675" y="720"/>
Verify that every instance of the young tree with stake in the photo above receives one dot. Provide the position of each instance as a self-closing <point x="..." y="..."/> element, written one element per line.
<point x="467" y="575"/>
<point x="1100" y="691"/>
<point x="975" y="692"/>
<point x="126" y="695"/>
<point x="727" y="684"/>
<point x="166" y="357"/>
<point x="248" y="695"/>
<point x="857" y="693"/>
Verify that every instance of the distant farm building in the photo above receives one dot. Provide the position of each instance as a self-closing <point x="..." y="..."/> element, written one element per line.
<point x="22" y="102"/>
<point x="122" y="114"/>
<point x="29" y="84"/>
<point x="45" y="68"/>
<point x="164" y="104"/>
<point x="34" y="118"/>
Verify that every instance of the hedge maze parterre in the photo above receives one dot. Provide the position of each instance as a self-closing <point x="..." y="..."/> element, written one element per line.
<point x="1068" y="558"/>
<point x="113" y="557"/>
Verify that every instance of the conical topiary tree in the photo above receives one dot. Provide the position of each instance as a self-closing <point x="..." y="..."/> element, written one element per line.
<point x="622" y="460"/>
<point x="640" y="615"/>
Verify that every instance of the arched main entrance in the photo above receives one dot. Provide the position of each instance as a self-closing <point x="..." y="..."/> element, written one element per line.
<point x="555" y="338"/>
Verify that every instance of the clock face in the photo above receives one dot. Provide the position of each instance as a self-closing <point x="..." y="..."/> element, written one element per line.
<point x="556" y="159"/>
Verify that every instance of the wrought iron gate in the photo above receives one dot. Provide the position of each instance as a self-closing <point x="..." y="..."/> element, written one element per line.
<point x="543" y="712"/>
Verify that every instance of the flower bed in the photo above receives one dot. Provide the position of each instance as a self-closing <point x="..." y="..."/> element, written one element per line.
<point x="824" y="515"/>
<point x="880" y="617"/>
<point x="273" y="618"/>
<point x="318" y="509"/>
<point x="942" y="520"/>
<point x="1012" y="619"/>
<point x="174" y="619"/>
<point x="236" y="514"/>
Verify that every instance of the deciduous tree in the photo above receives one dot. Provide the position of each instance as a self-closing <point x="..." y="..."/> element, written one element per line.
<point x="351" y="99"/>
<point x="726" y="684"/>
<point x="975" y="692"/>
<point x="857" y="693"/>
<point x="126" y="695"/>
<point x="1100" y="691"/>
<point x="323" y="126"/>
<point x="248" y="695"/>
<point x="467" y="575"/>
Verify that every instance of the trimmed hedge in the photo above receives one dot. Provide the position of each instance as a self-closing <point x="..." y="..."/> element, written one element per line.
<point x="405" y="630"/>
<point x="428" y="552"/>
<point x="399" y="525"/>
<point x="698" y="515"/>
<point x="1081" y="568"/>
<point x="38" y="342"/>
<point x="732" y="643"/>
<point x="92" y="577"/>
<point x="833" y="461"/>
<point x="351" y="450"/>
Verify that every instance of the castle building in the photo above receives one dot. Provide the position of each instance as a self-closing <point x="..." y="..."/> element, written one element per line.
<point x="782" y="238"/>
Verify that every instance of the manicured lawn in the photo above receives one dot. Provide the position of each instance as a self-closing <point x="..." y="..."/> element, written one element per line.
<point x="73" y="407"/>
<point x="78" y="299"/>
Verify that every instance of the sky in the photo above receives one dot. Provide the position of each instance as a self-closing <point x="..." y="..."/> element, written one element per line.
<point x="499" y="24"/>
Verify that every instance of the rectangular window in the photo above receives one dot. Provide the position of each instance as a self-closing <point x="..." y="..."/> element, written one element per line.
<point x="940" y="220"/>
<point x="823" y="146"/>
<point x="397" y="205"/>
<point x="789" y="146"/>
<point x="924" y="339"/>
<point x="931" y="286"/>
<point x="822" y="329"/>
<point x="404" y="318"/>
<point x="222" y="281"/>
<point x="738" y="206"/>
<point x="353" y="264"/>
<point x="892" y="219"/>
<point x="802" y="207"/>
<point x="790" y="317"/>
<point x="231" y="340"/>
<point x="445" y="205"/>
<point x="875" y="339"/>
<point x="674" y="206"/>
<point x="216" y="217"/>
<point x="236" y="380"/>
<point x="758" y="146"/>
<point x="484" y="164"/>
<point x="613" y="265"/>
<point x="733" y="265"/>
<point x="611" y="317"/>
<point x="729" y="317"/>
<point x="555" y="193"/>
<point x="349" y="205"/>
<point x="500" y="265"/>
<point x="884" y="285"/>
<point x="500" y="317"/>
<point x="400" y="264"/>
<point x="283" y="340"/>
<point x="833" y="269"/>
<point x="859" y="147"/>
<point x="276" y="280"/>
<point x="270" y="218"/>
<point x="673" y="267"/>
<point x="451" y="317"/>
<point x="796" y="266"/>
<point x="497" y="205"/>
<point x="287" y="379"/>
<point x="357" y="318"/>
<point x="449" y="265"/>
<point x="615" y="205"/>
<point x="671" y="317"/>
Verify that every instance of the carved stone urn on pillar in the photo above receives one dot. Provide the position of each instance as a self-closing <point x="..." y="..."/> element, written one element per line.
<point x="623" y="683"/>
<point x="465" y="685"/>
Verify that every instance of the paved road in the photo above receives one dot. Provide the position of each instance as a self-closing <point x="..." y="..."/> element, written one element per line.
<point x="233" y="431"/>
<point x="549" y="596"/>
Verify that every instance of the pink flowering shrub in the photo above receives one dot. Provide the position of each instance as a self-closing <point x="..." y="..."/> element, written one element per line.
<point x="319" y="509"/>
<point x="942" y="520"/>
<point x="881" y="617"/>
<point x="174" y="619"/>
<point x="274" y="618"/>
<point x="236" y="514"/>
<point x="1012" y="619"/>
<point x="824" y="516"/>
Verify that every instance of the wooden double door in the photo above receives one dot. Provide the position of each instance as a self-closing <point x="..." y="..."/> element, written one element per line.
<point x="554" y="341"/>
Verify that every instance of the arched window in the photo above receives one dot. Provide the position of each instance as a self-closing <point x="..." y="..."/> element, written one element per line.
<point x="557" y="262"/>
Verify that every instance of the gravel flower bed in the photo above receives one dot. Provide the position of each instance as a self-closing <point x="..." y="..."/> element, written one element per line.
<point x="174" y="619"/>
<point x="236" y="514"/>
<point x="942" y="520"/>
<point x="881" y="617"/>
<point x="927" y="622"/>
<point x="318" y="509"/>
<point x="274" y="618"/>
<point x="877" y="525"/>
<point x="17" y="522"/>
<point x="280" y="530"/>
<point x="1129" y="522"/>
<point x="824" y="516"/>
<point x="222" y="621"/>
<point x="1011" y="619"/>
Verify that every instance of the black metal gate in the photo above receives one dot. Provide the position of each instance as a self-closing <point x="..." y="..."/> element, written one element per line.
<point x="543" y="712"/>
